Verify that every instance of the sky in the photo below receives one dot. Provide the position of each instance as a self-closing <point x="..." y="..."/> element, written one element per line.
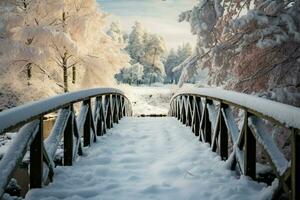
<point x="157" y="16"/>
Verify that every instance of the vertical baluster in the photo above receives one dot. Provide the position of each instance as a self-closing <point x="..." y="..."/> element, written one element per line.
<point x="121" y="107"/>
<point x="87" y="125"/>
<point x="197" y="114"/>
<point x="99" y="122"/>
<point x="183" y="111"/>
<point x="295" y="164"/>
<point x="108" y="111"/>
<point x="249" y="150"/>
<point x="116" y="109"/>
<point x="36" y="158"/>
<point x="223" y="136"/>
<point x="175" y="107"/>
<point x="178" y="107"/>
<point x="193" y="106"/>
<point x="68" y="139"/>
<point x="207" y="126"/>
<point x="189" y="110"/>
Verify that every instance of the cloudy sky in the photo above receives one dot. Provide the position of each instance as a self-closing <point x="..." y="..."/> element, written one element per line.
<point x="157" y="16"/>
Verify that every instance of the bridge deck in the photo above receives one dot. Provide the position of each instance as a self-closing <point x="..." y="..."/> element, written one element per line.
<point x="148" y="158"/>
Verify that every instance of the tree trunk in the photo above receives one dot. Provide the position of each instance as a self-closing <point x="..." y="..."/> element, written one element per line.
<point x="65" y="72"/>
<point x="74" y="74"/>
<point x="29" y="72"/>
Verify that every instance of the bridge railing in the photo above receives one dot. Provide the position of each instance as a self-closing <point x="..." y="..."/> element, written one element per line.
<point x="100" y="108"/>
<point x="211" y="113"/>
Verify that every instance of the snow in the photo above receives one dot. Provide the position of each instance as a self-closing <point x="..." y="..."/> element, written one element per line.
<point x="25" y="112"/>
<point x="283" y="113"/>
<point x="149" y="158"/>
<point x="154" y="99"/>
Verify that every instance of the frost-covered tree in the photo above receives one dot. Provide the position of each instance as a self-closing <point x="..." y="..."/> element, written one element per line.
<point x="248" y="45"/>
<point x="116" y="33"/>
<point x="174" y="59"/>
<point x="148" y="50"/>
<point x="154" y="48"/>
<point x="56" y="40"/>
<point x="135" y="47"/>
<point x="132" y="74"/>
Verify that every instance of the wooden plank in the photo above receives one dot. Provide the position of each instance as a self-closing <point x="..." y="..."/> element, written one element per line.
<point x="183" y="111"/>
<point x="36" y="158"/>
<point x="207" y="127"/>
<point x="189" y="103"/>
<point x="78" y="146"/>
<point x="202" y="122"/>
<point x="52" y="141"/>
<point x="68" y="141"/>
<point x="197" y="117"/>
<point x="216" y="132"/>
<point x="223" y="135"/>
<point x="108" y="111"/>
<point x="99" y="122"/>
<point x="87" y="125"/>
<point x="249" y="150"/>
<point x="178" y="107"/>
<point x="295" y="174"/>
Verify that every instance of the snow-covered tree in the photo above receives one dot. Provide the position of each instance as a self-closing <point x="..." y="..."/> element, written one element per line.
<point x="135" y="47"/>
<point x="148" y="50"/>
<point x="116" y="33"/>
<point x="154" y="48"/>
<point x="132" y="74"/>
<point x="47" y="42"/>
<point x="248" y="45"/>
<point x="173" y="60"/>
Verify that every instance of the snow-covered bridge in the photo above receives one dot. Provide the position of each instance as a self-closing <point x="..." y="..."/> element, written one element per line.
<point x="153" y="158"/>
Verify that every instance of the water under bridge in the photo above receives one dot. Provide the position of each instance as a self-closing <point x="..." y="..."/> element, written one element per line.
<point x="208" y="147"/>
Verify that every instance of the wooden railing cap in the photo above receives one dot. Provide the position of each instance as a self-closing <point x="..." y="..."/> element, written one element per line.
<point x="22" y="114"/>
<point x="283" y="114"/>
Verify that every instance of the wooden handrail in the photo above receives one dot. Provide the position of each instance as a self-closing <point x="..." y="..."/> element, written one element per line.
<point x="108" y="107"/>
<point x="210" y="115"/>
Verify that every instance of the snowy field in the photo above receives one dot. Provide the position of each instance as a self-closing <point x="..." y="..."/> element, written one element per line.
<point x="149" y="158"/>
<point x="149" y="99"/>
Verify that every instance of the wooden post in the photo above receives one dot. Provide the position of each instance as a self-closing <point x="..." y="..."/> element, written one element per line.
<point x="68" y="140"/>
<point x="197" y="116"/>
<point x="36" y="158"/>
<point x="99" y="122"/>
<point x="207" y="126"/>
<point x="108" y="111"/>
<point x="249" y="150"/>
<point x="116" y="109"/>
<point x="178" y="107"/>
<point x="87" y="125"/>
<point x="121" y="107"/>
<point x="295" y="164"/>
<point x="223" y="135"/>
<point x="189" y="110"/>
<point x="183" y="111"/>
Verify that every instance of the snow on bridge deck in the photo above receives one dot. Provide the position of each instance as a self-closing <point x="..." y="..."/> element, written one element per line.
<point x="149" y="158"/>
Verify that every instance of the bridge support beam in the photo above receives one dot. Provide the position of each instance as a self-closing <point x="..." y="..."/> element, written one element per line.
<point x="295" y="164"/>
<point x="36" y="158"/>
<point x="68" y="140"/>
<point x="250" y="150"/>
<point x="87" y="124"/>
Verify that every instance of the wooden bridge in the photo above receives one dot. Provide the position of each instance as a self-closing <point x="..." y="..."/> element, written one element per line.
<point x="212" y="115"/>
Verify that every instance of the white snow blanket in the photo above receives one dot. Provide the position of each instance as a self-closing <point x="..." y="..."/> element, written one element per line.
<point x="149" y="158"/>
<point x="149" y="100"/>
